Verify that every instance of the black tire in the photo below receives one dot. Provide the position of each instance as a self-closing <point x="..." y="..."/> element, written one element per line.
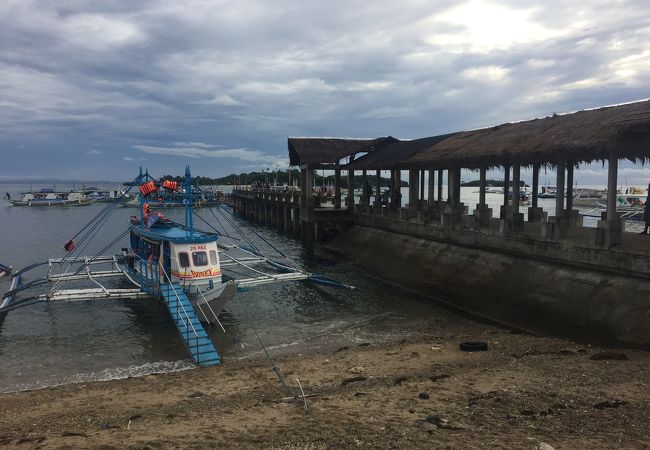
<point x="473" y="346"/>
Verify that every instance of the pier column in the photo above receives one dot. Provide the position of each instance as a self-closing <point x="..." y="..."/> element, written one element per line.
<point x="517" y="218"/>
<point x="556" y="226"/>
<point x="506" y="191"/>
<point x="307" y="211"/>
<point x="609" y="232"/>
<point x="413" y="189"/>
<point x="337" y="188"/>
<point x="279" y="217"/>
<point x="286" y="213"/>
<point x="569" y="186"/>
<point x="350" y="199"/>
<point x="431" y="188"/>
<point x="535" y="214"/>
<point x="378" y="193"/>
<point x="559" y="198"/>
<point x="439" y="186"/>
<point x="454" y="209"/>
<point x="572" y="216"/>
<point x="482" y="213"/>
<point x="421" y="196"/>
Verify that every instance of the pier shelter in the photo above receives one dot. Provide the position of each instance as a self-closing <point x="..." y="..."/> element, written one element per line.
<point x="598" y="277"/>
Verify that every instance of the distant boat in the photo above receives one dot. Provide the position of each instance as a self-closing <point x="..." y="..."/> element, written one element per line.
<point x="4" y="270"/>
<point x="104" y="195"/>
<point x="50" y="197"/>
<point x="589" y="197"/>
<point x="548" y="192"/>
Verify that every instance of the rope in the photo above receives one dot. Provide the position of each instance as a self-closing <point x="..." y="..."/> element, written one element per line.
<point x="267" y="243"/>
<point x="266" y="352"/>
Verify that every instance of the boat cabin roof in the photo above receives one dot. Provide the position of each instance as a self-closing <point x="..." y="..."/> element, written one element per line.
<point x="168" y="230"/>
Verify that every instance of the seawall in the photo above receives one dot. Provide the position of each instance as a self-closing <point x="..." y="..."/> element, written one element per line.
<point x="540" y="296"/>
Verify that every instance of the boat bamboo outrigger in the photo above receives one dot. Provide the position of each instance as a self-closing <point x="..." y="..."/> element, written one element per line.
<point x="188" y="270"/>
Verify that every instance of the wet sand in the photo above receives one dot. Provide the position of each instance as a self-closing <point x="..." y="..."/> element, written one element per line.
<point x="523" y="392"/>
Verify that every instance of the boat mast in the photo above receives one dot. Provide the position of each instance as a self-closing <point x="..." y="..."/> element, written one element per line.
<point x="188" y="200"/>
<point x="140" y="180"/>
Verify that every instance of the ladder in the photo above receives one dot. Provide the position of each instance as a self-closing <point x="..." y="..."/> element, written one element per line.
<point x="196" y="339"/>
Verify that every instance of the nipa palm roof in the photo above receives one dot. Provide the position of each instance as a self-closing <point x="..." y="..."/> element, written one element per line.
<point x="583" y="136"/>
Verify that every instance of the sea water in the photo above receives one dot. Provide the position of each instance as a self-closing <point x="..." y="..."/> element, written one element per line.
<point x="61" y="342"/>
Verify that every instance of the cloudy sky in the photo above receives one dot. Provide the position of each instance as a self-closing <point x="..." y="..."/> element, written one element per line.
<point x="93" y="89"/>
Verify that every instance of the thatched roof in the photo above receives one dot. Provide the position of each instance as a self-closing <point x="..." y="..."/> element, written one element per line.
<point x="315" y="151"/>
<point x="577" y="137"/>
<point x="393" y="154"/>
<point x="582" y="136"/>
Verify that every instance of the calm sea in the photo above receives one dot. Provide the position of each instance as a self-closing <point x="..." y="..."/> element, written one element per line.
<point x="63" y="342"/>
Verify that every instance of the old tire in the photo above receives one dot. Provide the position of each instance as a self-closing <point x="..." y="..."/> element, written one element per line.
<point x="473" y="346"/>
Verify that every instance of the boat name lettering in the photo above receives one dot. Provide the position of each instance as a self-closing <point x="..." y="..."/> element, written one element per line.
<point x="198" y="247"/>
<point x="204" y="273"/>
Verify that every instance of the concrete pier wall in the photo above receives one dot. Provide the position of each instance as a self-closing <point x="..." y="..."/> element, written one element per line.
<point x="535" y="294"/>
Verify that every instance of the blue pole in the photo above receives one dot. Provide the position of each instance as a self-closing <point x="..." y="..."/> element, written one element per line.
<point x="141" y="200"/>
<point x="188" y="199"/>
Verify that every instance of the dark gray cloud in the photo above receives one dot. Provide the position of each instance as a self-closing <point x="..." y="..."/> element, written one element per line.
<point x="99" y="87"/>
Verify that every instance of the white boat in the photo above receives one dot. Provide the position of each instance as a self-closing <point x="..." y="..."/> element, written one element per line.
<point x="174" y="263"/>
<point x="547" y="192"/>
<point x="105" y="195"/>
<point x="589" y="197"/>
<point x="50" y="197"/>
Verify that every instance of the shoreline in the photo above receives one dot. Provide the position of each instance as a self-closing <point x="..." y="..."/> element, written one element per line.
<point x="420" y="392"/>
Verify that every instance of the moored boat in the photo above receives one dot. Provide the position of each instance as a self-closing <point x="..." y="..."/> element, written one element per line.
<point x="174" y="263"/>
<point x="104" y="195"/>
<point x="50" y="197"/>
<point x="589" y="197"/>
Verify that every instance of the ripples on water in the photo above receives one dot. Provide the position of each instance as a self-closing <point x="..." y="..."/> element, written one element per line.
<point x="55" y="343"/>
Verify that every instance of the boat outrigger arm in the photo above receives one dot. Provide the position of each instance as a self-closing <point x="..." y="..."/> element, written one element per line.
<point x="79" y="269"/>
<point x="172" y="262"/>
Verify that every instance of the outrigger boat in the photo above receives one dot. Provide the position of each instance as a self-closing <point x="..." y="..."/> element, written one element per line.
<point x="50" y="197"/>
<point x="189" y="271"/>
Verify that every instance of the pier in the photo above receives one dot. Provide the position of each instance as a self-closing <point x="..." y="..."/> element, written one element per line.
<point x="536" y="270"/>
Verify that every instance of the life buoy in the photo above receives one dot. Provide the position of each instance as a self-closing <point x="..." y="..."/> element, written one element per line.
<point x="147" y="188"/>
<point x="170" y="185"/>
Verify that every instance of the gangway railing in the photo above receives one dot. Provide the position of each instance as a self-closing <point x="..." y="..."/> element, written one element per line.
<point x="195" y="284"/>
<point x="152" y="276"/>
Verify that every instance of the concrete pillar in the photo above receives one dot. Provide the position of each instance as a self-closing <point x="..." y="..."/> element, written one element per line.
<point x="483" y="214"/>
<point x="506" y="190"/>
<point x="307" y="214"/>
<point x="439" y="185"/>
<point x="612" y="175"/>
<point x="569" y="186"/>
<point x="559" y="199"/>
<point x="431" y="187"/>
<point x="535" y="185"/>
<point x="609" y="232"/>
<point x="413" y="189"/>
<point x="454" y="208"/>
<point x="378" y="192"/>
<point x="515" y="189"/>
<point x="535" y="213"/>
<point x="286" y="213"/>
<point x="279" y="217"/>
<point x="421" y="196"/>
<point x="337" y="188"/>
<point x="295" y="220"/>
<point x="482" y="185"/>
<point x="350" y="201"/>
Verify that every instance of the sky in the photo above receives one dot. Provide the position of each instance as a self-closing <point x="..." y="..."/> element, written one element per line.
<point x="91" y="90"/>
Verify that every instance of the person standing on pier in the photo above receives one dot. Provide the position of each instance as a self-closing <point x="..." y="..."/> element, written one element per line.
<point x="646" y="212"/>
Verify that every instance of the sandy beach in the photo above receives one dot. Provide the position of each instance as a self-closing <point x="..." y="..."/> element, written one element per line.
<point x="523" y="392"/>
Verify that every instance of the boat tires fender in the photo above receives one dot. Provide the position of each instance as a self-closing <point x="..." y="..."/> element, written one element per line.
<point x="473" y="346"/>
